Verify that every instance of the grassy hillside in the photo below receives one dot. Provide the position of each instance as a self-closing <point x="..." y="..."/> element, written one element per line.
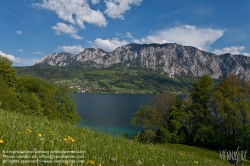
<point x="36" y="136"/>
<point x="116" y="79"/>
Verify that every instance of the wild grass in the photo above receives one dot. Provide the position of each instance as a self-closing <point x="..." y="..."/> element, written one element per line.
<point x="36" y="137"/>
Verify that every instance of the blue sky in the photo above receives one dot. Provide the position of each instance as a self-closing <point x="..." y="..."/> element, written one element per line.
<point x="32" y="29"/>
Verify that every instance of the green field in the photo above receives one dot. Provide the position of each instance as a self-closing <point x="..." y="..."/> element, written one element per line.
<point x="27" y="135"/>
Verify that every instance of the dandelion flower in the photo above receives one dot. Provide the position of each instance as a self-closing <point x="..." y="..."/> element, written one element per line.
<point x="1" y="141"/>
<point x="92" y="162"/>
<point x="39" y="135"/>
<point x="196" y="162"/>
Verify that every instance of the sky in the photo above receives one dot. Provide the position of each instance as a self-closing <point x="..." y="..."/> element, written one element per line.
<point x="32" y="29"/>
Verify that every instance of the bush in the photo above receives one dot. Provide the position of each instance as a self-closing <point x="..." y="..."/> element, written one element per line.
<point x="163" y="135"/>
<point x="147" y="136"/>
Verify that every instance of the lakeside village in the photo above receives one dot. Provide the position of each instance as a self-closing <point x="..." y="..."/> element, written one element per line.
<point x="83" y="86"/>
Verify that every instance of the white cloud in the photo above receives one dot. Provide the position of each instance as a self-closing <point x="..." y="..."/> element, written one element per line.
<point x="116" y="8"/>
<point x="94" y="2"/>
<point x="109" y="45"/>
<point x="26" y="62"/>
<point x="19" y="32"/>
<point x="74" y="11"/>
<point x="233" y="50"/>
<point x="37" y="52"/>
<point x="66" y="29"/>
<point x="129" y="35"/>
<point x="20" y="50"/>
<point x="72" y="49"/>
<point x="118" y="34"/>
<point x="187" y="35"/>
<point x="10" y="57"/>
<point x="246" y="54"/>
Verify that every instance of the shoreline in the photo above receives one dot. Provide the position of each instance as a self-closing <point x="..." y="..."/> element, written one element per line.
<point x="126" y="93"/>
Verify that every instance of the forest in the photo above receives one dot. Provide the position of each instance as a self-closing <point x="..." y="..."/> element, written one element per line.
<point x="212" y="115"/>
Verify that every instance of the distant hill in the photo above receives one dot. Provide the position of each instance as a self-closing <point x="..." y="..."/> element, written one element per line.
<point x="171" y="59"/>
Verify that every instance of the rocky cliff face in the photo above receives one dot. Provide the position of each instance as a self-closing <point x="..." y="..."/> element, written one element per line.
<point x="57" y="59"/>
<point x="170" y="58"/>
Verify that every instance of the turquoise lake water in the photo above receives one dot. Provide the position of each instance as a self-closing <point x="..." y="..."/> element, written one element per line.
<point x="110" y="113"/>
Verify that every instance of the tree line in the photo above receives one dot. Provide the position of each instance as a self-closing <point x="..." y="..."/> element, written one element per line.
<point x="211" y="115"/>
<point x="34" y="96"/>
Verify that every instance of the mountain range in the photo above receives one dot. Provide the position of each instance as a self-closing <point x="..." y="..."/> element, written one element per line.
<point x="169" y="58"/>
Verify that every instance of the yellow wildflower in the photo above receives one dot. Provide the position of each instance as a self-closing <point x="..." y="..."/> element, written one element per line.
<point x="100" y="165"/>
<point x="196" y="162"/>
<point x="181" y="153"/>
<point x="18" y="132"/>
<point x="39" y="135"/>
<point x="29" y="130"/>
<point x="1" y="141"/>
<point x="92" y="162"/>
<point x="69" y="138"/>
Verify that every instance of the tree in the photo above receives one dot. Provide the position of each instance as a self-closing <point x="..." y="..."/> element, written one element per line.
<point x="7" y="72"/>
<point x="65" y="104"/>
<point x="177" y="120"/>
<point x="231" y="107"/>
<point x="147" y="117"/>
<point x="201" y="119"/>
<point x="8" y="97"/>
<point x="29" y="85"/>
<point x="163" y="118"/>
<point x="30" y="104"/>
<point x="163" y="104"/>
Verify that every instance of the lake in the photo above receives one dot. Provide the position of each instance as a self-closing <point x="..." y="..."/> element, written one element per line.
<point x="110" y="113"/>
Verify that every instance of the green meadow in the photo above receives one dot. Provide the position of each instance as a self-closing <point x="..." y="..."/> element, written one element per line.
<point x="33" y="138"/>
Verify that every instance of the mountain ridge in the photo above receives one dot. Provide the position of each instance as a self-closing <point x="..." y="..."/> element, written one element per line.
<point x="169" y="58"/>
